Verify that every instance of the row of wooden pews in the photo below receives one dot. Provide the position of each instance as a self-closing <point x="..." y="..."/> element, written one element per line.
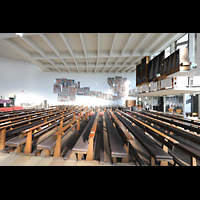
<point x="81" y="132"/>
<point x="14" y="130"/>
<point x="187" y="140"/>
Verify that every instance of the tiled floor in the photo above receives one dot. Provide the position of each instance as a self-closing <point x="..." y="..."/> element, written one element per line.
<point x="12" y="159"/>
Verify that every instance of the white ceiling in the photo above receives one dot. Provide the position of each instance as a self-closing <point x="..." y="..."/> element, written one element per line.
<point x="84" y="52"/>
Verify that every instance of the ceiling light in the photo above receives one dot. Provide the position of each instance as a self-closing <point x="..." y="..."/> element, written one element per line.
<point x="19" y="34"/>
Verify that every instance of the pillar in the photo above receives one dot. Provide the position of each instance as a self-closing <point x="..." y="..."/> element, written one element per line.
<point x="164" y="104"/>
<point x="192" y="47"/>
<point x="184" y="105"/>
<point x="198" y="54"/>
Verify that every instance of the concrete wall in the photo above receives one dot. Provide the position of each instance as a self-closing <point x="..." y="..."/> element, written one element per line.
<point x="31" y="85"/>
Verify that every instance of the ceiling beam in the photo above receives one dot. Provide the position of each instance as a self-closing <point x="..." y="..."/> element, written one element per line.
<point x="132" y="64"/>
<point x="165" y="43"/>
<point x="123" y="50"/>
<point x="52" y="46"/>
<point x="138" y="45"/>
<point x="111" y="49"/>
<point x="89" y="55"/>
<point x="157" y="39"/>
<point x="127" y="43"/>
<point x="69" y="48"/>
<point x="34" y="46"/>
<point x="98" y="50"/>
<point x="84" y="50"/>
<point x="128" y="71"/>
<point x="141" y="41"/>
<point x="83" y="65"/>
<point x="21" y="51"/>
<point x="38" y="49"/>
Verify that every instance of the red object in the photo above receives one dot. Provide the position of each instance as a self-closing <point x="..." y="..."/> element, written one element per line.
<point x="101" y="113"/>
<point x="5" y="109"/>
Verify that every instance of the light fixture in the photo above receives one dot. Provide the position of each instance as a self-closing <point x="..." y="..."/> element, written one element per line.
<point x="19" y="34"/>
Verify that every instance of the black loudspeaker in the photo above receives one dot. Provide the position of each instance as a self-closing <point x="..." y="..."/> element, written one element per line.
<point x="194" y="104"/>
<point x="12" y="101"/>
<point x="160" y="104"/>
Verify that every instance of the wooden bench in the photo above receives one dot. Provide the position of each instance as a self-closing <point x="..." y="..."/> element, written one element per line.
<point x="50" y="142"/>
<point x="25" y="112"/>
<point x="35" y="131"/>
<point x="159" y="135"/>
<point x="185" y="125"/>
<point x="188" y="135"/>
<point x="28" y="116"/>
<point x="155" y="151"/>
<point x="58" y="134"/>
<point x="137" y="156"/>
<point x="191" y="121"/>
<point x="84" y="144"/>
<point x="188" y="149"/>
<point x="101" y="140"/>
<point x="116" y="145"/>
<point x="125" y="135"/>
<point x="17" y="127"/>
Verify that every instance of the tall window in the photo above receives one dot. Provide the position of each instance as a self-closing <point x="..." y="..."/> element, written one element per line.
<point x="167" y="51"/>
<point x="182" y="42"/>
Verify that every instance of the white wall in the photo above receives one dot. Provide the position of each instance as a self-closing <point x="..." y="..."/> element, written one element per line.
<point x="17" y="76"/>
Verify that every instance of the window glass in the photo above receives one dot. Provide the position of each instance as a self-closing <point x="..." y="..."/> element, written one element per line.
<point x="167" y="51"/>
<point x="183" y="39"/>
<point x="182" y="42"/>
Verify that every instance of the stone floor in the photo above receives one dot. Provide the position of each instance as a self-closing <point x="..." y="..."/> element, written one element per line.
<point x="13" y="159"/>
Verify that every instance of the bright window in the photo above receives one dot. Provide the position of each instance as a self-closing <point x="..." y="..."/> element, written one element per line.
<point x="182" y="42"/>
<point x="167" y="51"/>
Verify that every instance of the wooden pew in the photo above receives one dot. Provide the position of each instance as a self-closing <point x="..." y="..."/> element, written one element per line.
<point x="191" y="151"/>
<point x="162" y="137"/>
<point x="188" y="135"/>
<point x="116" y="144"/>
<point x="17" y="127"/>
<point x="59" y="133"/>
<point x="185" y="125"/>
<point x="155" y="151"/>
<point x="192" y="121"/>
<point x="50" y="142"/>
<point x="28" y="134"/>
<point x="27" y="116"/>
<point x="101" y="139"/>
<point x="24" y="112"/>
<point x="85" y="142"/>
<point x="125" y="135"/>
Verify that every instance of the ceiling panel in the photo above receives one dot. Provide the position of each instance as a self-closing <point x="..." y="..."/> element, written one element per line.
<point x="40" y="43"/>
<point x="74" y="42"/>
<point x="106" y="41"/>
<point x="134" y="41"/>
<point x="57" y="41"/>
<point x="101" y="52"/>
<point x="23" y="44"/>
<point x="120" y="41"/>
<point x="90" y="40"/>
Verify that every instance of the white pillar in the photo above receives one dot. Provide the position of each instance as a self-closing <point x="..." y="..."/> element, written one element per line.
<point x="164" y="104"/>
<point x="184" y="105"/>
<point x="192" y="47"/>
<point x="172" y="49"/>
<point x="198" y="54"/>
<point x="151" y="102"/>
